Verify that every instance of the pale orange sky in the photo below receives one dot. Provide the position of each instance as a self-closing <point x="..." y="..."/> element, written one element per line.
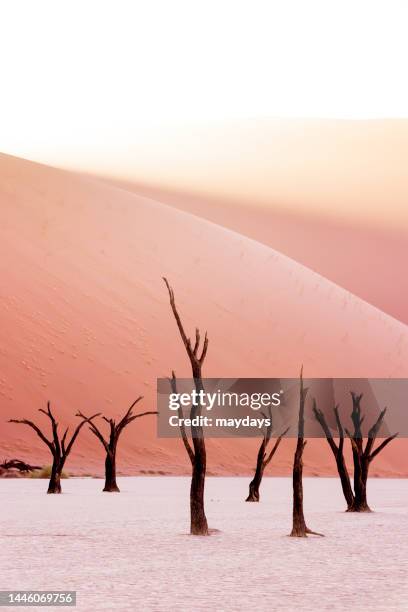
<point x="344" y="169"/>
<point x="155" y="91"/>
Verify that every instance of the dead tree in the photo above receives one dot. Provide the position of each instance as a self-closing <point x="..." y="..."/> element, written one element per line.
<point x="110" y="443"/>
<point x="197" y="453"/>
<point x="299" y="528"/>
<point x="263" y="459"/>
<point x="58" y="446"/>
<point x="182" y="427"/>
<point x="21" y="466"/>
<point x="363" y="456"/>
<point x="337" y="450"/>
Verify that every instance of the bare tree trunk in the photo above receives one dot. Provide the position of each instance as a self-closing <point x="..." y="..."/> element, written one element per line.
<point x="362" y="457"/>
<point x="263" y="459"/>
<point x="198" y="523"/>
<point x="253" y="495"/>
<point x="299" y="528"/>
<point x="197" y="454"/>
<point x="257" y="479"/>
<point x="110" y="473"/>
<point x="360" y="470"/>
<point x="360" y="500"/>
<point x="345" y="481"/>
<point x="54" y="486"/>
<point x="337" y="452"/>
<point x="360" y="487"/>
<point x="360" y="482"/>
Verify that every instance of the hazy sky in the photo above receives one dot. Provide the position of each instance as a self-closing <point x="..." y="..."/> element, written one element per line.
<point x="77" y="75"/>
<point x="159" y="91"/>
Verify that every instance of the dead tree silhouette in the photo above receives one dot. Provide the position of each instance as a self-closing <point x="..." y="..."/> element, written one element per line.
<point x="362" y="456"/>
<point x="337" y="450"/>
<point x="299" y="528"/>
<point x="183" y="433"/>
<point x="110" y="443"/>
<point x="21" y="466"/>
<point x="197" y="453"/>
<point x="263" y="459"/>
<point x="59" y="447"/>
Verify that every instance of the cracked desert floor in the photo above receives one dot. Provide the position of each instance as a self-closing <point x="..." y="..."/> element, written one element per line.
<point x="131" y="551"/>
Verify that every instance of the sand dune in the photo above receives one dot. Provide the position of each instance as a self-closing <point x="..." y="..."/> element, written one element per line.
<point x="86" y="321"/>
<point x="330" y="194"/>
<point x="361" y="257"/>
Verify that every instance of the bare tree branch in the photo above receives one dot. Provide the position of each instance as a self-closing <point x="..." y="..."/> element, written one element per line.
<point x="58" y="448"/>
<point x="275" y="447"/>
<point x="372" y="434"/>
<point x="64" y="437"/>
<point x="353" y="442"/>
<point x="197" y="341"/>
<point x="196" y="362"/>
<point x="381" y="446"/>
<point x="76" y="432"/>
<point x="204" y="351"/>
<point x="339" y="428"/>
<point x="54" y="426"/>
<point x="187" y="342"/>
<point x="356" y="414"/>
<point x="323" y="423"/>
<point x="94" y="430"/>
<point x="122" y="422"/>
<point x="190" y="452"/>
<point x="37" y="431"/>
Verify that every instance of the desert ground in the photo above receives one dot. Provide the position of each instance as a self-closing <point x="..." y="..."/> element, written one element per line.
<point x="130" y="551"/>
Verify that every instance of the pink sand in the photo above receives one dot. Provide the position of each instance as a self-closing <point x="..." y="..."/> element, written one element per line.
<point x="86" y="321"/>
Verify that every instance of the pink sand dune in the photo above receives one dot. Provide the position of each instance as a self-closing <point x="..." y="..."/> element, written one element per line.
<point x="364" y="258"/>
<point x="86" y="321"/>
